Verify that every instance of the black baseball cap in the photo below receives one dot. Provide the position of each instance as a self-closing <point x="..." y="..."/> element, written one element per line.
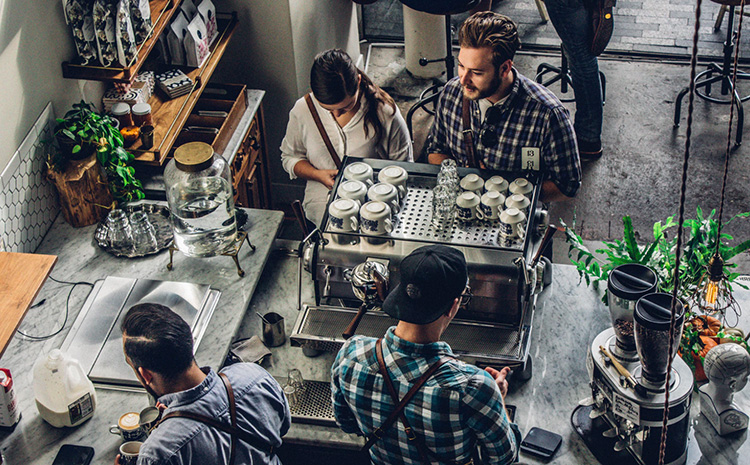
<point x="431" y="278"/>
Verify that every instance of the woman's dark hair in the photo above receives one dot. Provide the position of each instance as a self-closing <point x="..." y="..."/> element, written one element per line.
<point x="334" y="77"/>
<point x="158" y="339"/>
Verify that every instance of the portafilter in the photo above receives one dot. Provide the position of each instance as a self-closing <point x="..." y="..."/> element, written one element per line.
<point x="370" y="285"/>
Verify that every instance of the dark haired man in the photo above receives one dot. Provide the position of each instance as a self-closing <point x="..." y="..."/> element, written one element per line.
<point x="456" y="406"/>
<point x="158" y="345"/>
<point x="491" y="116"/>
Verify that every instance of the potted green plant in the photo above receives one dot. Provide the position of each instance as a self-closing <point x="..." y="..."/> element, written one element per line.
<point x="701" y="234"/>
<point x="97" y="158"/>
<point x="75" y="132"/>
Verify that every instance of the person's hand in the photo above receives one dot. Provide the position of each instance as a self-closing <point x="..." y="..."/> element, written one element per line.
<point x="327" y="177"/>
<point x="160" y="406"/>
<point x="499" y="377"/>
<point x="117" y="459"/>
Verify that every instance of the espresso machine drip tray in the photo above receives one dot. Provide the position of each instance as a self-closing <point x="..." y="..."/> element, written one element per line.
<point x="320" y="328"/>
<point x="95" y="339"/>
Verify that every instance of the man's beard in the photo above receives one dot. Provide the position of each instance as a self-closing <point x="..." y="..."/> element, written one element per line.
<point x="476" y="94"/>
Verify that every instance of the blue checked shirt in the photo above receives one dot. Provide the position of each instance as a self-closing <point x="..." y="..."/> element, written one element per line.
<point x="458" y="408"/>
<point x="532" y="117"/>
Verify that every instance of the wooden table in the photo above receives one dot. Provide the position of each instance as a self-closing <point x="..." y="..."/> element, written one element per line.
<point x="22" y="277"/>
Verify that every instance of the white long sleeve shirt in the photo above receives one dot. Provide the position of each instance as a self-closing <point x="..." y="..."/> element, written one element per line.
<point x="303" y="142"/>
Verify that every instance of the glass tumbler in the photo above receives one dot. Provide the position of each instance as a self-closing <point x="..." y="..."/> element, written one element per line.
<point x="119" y="232"/>
<point x="445" y="179"/>
<point x="144" y="234"/>
<point x="443" y="204"/>
<point x="294" y="378"/>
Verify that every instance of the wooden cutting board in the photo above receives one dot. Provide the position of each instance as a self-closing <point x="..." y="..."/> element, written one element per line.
<point x="21" y="277"/>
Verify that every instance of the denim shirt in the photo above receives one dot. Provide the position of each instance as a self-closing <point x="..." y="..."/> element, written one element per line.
<point x="262" y="410"/>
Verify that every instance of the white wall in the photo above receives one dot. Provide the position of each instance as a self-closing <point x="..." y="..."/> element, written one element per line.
<point x="273" y="50"/>
<point x="34" y="41"/>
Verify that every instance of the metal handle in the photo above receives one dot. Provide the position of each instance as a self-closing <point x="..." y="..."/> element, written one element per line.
<point x="327" y="288"/>
<point x="299" y="213"/>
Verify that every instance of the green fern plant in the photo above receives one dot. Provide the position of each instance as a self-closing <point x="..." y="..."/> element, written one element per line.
<point x="700" y="238"/>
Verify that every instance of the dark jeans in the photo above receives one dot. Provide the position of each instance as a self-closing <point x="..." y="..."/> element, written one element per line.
<point x="572" y="23"/>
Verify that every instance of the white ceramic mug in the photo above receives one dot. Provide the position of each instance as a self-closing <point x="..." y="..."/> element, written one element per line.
<point x="354" y="190"/>
<point x="128" y="426"/>
<point x="521" y="186"/>
<point x="512" y="224"/>
<point x="467" y="207"/>
<point x="359" y="171"/>
<point x="519" y="201"/>
<point x="472" y="183"/>
<point x="498" y="184"/>
<point x="387" y="193"/>
<point x="395" y="175"/>
<point x="491" y="204"/>
<point x="342" y="215"/>
<point x="129" y="452"/>
<point x="375" y="218"/>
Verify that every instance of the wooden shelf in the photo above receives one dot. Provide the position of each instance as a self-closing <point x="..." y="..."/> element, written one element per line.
<point x="161" y="15"/>
<point x="170" y="115"/>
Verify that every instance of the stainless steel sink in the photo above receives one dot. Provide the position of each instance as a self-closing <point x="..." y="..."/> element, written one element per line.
<point x="95" y="338"/>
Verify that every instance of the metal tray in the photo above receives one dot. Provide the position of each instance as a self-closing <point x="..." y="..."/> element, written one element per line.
<point x="158" y="215"/>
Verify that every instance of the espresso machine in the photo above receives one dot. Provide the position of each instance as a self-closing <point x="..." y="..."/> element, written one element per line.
<point x="627" y="365"/>
<point x="505" y="276"/>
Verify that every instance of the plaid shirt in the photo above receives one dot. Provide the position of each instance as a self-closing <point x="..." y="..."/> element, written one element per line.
<point x="531" y="117"/>
<point x="458" y="408"/>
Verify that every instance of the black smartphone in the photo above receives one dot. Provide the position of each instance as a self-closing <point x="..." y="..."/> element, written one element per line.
<point x="70" y="454"/>
<point x="541" y="442"/>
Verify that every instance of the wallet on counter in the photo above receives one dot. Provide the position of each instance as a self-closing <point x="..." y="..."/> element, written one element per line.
<point x="541" y="442"/>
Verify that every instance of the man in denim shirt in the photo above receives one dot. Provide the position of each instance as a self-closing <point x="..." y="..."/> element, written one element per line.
<point x="158" y="345"/>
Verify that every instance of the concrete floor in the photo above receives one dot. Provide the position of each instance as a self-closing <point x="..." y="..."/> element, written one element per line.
<point x="639" y="174"/>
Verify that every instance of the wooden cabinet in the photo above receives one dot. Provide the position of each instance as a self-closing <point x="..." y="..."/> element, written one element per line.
<point x="250" y="167"/>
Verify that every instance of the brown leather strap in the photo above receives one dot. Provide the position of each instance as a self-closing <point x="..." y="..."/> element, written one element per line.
<point x="232" y="416"/>
<point x="322" y="131"/>
<point x="232" y="429"/>
<point x="398" y="412"/>
<point x="468" y="133"/>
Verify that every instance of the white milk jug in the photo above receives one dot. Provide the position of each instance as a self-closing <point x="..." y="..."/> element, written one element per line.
<point x="64" y="395"/>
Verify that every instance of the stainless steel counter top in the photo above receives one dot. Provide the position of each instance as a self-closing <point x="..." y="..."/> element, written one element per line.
<point x="33" y="441"/>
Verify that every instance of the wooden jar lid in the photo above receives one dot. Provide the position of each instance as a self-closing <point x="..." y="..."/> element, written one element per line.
<point x="194" y="156"/>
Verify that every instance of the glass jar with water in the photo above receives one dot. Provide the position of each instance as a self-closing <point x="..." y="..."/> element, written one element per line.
<point x="199" y="193"/>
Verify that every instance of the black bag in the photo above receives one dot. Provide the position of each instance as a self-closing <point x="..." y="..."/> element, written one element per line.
<point x="602" y="22"/>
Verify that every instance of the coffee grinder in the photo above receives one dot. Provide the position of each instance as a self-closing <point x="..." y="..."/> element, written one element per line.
<point x="628" y="386"/>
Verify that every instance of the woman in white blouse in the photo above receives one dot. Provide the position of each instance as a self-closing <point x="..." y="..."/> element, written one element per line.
<point x="360" y="119"/>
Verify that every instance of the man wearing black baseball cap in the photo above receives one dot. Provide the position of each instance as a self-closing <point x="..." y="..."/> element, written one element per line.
<point x="446" y="407"/>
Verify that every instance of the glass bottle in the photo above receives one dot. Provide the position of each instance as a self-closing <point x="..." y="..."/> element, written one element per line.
<point x="119" y="232"/>
<point x="144" y="234"/>
<point x="201" y="202"/>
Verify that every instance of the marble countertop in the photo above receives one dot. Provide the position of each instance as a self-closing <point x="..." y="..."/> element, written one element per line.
<point x="33" y="441"/>
<point x="570" y="317"/>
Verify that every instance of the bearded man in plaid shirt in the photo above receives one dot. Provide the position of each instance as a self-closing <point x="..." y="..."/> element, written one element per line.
<point x="513" y="123"/>
<point x="458" y="408"/>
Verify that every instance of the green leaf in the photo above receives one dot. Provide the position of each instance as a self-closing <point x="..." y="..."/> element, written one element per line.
<point x="76" y="148"/>
<point x="68" y="134"/>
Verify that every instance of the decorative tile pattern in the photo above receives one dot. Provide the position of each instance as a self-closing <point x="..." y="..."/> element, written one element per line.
<point x="28" y="201"/>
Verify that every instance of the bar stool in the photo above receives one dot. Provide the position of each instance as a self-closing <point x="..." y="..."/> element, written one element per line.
<point x="562" y="74"/>
<point x="720" y="73"/>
